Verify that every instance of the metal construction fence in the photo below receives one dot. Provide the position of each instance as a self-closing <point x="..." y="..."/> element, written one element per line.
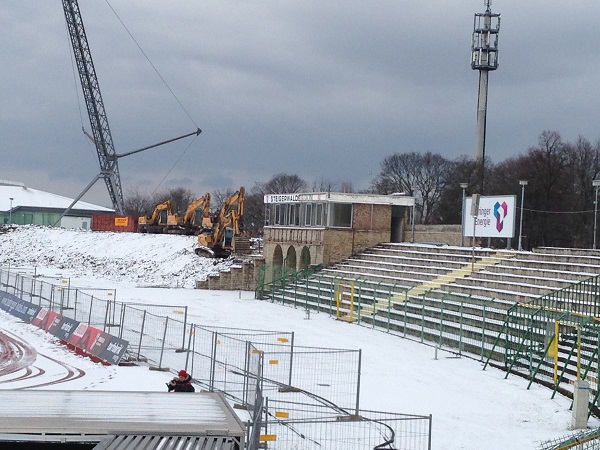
<point x="252" y="367"/>
<point x="581" y="440"/>
<point x="318" y="426"/>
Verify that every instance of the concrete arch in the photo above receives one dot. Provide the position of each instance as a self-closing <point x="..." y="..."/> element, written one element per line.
<point x="304" y="257"/>
<point x="277" y="262"/>
<point x="290" y="258"/>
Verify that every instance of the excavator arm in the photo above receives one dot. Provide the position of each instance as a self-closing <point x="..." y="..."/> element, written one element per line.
<point x="218" y="241"/>
<point x="201" y="204"/>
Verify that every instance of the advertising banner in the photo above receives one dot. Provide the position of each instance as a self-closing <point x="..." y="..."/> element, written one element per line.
<point x="25" y="311"/>
<point x="495" y="217"/>
<point x="90" y="340"/>
<point x="66" y="328"/>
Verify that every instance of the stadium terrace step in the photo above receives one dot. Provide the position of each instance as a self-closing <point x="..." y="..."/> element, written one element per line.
<point x="441" y="293"/>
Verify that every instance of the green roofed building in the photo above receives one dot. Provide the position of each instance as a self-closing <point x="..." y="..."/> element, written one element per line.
<point x="21" y="205"/>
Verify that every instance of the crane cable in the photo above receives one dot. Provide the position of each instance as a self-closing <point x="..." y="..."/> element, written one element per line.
<point x="169" y="89"/>
<point x="151" y="64"/>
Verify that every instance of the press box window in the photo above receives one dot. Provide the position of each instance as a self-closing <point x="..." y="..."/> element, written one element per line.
<point x="341" y="215"/>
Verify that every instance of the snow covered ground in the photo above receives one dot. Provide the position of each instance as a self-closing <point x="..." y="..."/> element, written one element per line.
<point x="471" y="408"/>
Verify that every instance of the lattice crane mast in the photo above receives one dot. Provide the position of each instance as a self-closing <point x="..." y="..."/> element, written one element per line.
<point x="101" y="136"/>
<point x="109" y="167"/>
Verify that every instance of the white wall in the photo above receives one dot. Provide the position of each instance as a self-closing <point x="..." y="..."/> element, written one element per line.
<point x="76" y="222"/>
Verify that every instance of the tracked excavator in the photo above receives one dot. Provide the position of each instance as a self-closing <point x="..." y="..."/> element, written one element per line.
<point x="197" y="216"/>
<point x="162" y="220"/>
<point x="217" y="241"/>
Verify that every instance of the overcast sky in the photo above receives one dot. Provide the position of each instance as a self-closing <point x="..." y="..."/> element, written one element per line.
<point x="322" y="89"/>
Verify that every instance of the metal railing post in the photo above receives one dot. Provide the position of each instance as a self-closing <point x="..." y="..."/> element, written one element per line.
<point x="141" y="334"/>
<point x="291" y="358"/>
<point x="162" y="347"/>
<point x="357" y="410"/>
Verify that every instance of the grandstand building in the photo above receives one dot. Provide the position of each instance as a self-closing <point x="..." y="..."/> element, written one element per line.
<point x="304" y="229"/>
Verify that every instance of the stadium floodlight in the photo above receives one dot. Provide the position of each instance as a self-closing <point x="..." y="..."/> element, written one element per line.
<point x="484" y="58"/>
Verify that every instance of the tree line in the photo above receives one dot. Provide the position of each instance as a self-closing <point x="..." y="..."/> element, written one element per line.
<point x="558" y="205"/>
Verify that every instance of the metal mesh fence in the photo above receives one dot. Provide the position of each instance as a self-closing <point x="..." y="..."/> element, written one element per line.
<point x="312" y="426"/>
<point x="581" y="440"/>
<point x="251" y="366"/>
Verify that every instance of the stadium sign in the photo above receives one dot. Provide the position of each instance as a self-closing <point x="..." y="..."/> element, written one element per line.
<point x="495" y="217"/>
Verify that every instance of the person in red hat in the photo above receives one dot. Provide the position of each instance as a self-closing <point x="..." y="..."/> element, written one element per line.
<point x="181" y="383"/>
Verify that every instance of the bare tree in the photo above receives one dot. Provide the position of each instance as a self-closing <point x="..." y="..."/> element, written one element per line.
<point x="137" y="204"/>
<point x="180" y="199"/>
<point x="282" y="183"/>
<point x="422" y="175"/>
<point x="254" y="210"/>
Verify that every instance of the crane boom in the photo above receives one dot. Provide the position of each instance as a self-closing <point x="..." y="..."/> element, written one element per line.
<point x="109" y="168"/>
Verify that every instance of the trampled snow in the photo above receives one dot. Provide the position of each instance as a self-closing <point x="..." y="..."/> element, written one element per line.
<point x="471" y="408"/>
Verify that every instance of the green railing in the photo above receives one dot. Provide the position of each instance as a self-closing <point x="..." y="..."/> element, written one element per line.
<point x="583" y="440"/>
<point x="459" y="323"/>
<point x="555" y="339"/>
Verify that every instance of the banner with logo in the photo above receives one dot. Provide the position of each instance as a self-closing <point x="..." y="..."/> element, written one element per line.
<point x="89" y="340"/>
<point x="13" y="305"/>
<point x="495" y="217"/>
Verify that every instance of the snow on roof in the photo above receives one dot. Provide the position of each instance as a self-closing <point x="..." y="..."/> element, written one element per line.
<point x="24" y="197"/>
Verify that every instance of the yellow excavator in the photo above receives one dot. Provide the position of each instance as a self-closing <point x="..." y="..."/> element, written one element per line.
<point x="217" y="241"/>
<point x="197" y="216"/>
<point x="162" y="219"/>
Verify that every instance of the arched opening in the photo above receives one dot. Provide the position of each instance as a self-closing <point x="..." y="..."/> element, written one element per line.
<point x="290" y="259"/>
<point x="277" y="262"/>
<point x="304" y="258"/>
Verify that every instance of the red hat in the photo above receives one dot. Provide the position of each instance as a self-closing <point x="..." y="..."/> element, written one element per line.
<point x="183" y="374"/>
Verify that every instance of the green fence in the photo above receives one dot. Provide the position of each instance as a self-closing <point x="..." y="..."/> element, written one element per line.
<point x="460" y="323"/>
<point x="555" y="339"/>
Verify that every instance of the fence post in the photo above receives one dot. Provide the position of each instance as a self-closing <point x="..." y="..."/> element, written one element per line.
<point x="460" y="341"/>
<point x="213" y="363"/>
<point x="91" y="308"/>
<point x="423" y="320"/>
<point x="358" y="382"/>
<point x="162" y="347"/>
<point x="185" y="316"/>
<point x="192" y="332"/>
<point x="193" y="349"/>
<point x="483" y="332"/>
<point x="106" y="315"/>
<point x="75" y="304"/>
<point x="291" y="358"/>
<point x="405" y="311"/>
<point x="441" y="321"/>
<point x="245" y="388"/>
<point x="122" y="321"/>
<point x="141" y="334"/>
<point x="52" y="298"/>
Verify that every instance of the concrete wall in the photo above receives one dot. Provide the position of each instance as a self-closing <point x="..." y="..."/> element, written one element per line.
<point x="446" y="234"/>
<point x="241" y="277"/>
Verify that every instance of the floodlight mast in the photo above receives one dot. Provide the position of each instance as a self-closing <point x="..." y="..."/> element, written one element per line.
<point x="484" y="57"/>
<point x="101" y="136"/>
